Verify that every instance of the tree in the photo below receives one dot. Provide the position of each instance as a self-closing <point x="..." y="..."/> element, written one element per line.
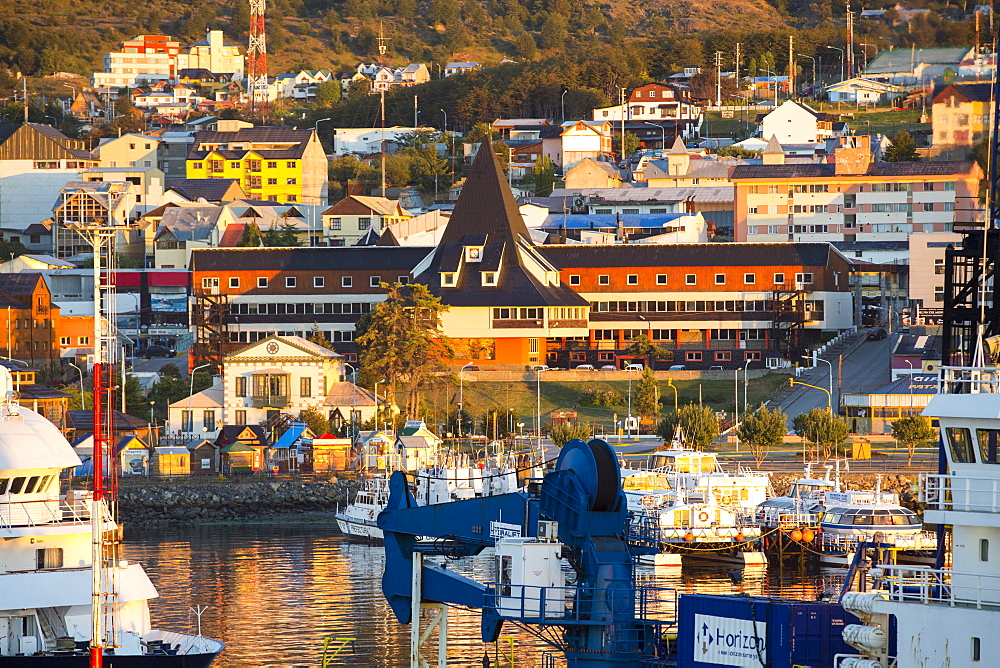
<point x="251" y="237"/>
<point x="317" y="422"/>
<point x="401" y="339"/>
<point x="647" y="395"/>
<point x="911" y="431"/>
<point x="553" y="34"/>
<point x="699" y="425"/>
<point x="543" y="175"/>
<point x="316" y="336"/>
<point x="631" y="143"/>
<point x="282" y="236"/>
<point x="641" y="346"/>
<point x="525" y="46"/>
<point x="901" y="149"/>
<point x="762" y="430"/>
<point x="359" y="87"/>
<point x="564" y="432"/>
<point x="828" y="432"/>
<point x="328" y="93"/>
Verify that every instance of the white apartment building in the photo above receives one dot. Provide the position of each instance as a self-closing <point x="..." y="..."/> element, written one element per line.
<point x="927" y="267"/>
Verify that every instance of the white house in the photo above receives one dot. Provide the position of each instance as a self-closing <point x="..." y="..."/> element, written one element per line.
<point x="279" y="374"/>
<point x="797" y="123"/>
<point x="859" y="90"/>
<point x="584" y="139"/>
<point x="451" y="69"/>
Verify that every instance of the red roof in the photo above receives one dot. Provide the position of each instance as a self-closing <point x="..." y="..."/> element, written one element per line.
<point x="232" y="235"/>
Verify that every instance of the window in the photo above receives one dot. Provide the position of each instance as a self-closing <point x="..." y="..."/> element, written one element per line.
<point x="949" y="206"/>
<point x="402" y="280"/>
<point x="198" y="165"/>
<point x="261" y="282"/>
<point x="949" y="185"/>
<point x="335" y="224"/>
<point x="804" y="278"/>
<point x="83" y="340"/>
<point x="319" y="281"/>
<point x="749" y="279"/>
<point x="346" y="282"/>
<point x="373" y="281"/>
<point x="976" y="649"/>
<point x="305" y="386"/>
<point x="751" y="210"/>
<point x="989" y="453"/>
<point x="272" y="164"/>
<point x="187" y="421"/>
<point x="289" y="281"/>
<point x="290" y="164"/>
<point x="208" y="420"/>
<point x="960" y="445"/>
<point x="939" y="293"/>
<point x="209" y="283"/>
<point x="779" y="279"/>
<point x="236" y="165"/>
<point x="632" y="279"/>
<point x="720" y="279"/>
<point x="692" y="356"/>
<point x="723" y="356"/>
<point x="272" y="182"/>
<point x="64" y="340"/>
<point x="751" y="356"/>
<point x="489" y="278"/>
<point x="241" y="386"/>
<point x="234" y="282"/>
<point x="49" y="557"/>
<point x="574" y="279"/>
<point x="364" y="223"/>
<point x="604" y="279"/>
<point x="690" y="279"/>
<point x="448" y="278"/>
<point x="241" y="417"/>
<point x="290" y="181"/>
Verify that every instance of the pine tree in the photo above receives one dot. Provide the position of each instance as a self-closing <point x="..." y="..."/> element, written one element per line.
<point x="901" y="149"/>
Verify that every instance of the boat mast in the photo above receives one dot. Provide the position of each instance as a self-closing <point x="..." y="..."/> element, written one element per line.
<point x="105" y="543"/>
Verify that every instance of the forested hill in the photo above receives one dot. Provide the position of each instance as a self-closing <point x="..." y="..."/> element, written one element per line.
<point x="623" y="39"/>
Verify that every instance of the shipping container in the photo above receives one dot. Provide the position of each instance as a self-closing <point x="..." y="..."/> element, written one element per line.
<point x="747" y="631"/>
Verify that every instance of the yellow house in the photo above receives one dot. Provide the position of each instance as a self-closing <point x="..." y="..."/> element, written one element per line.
<point x="961" y="115"/>
<point x="275" y="164"/>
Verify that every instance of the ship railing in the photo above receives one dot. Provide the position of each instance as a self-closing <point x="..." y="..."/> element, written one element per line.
<point x="968" y="379"/>
<point x="924" y="540"/>
<point x="914" y="584"/>
<point x="974" y="494"/>
<point x="45" y="512"/>
<point x="628" y="613"/>
<point x="793" y="520"/>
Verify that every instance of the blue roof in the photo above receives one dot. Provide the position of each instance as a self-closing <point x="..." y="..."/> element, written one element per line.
<point x="920" y="384"/>
<point x="556" y="221"/>
<point x="291" y="435"/>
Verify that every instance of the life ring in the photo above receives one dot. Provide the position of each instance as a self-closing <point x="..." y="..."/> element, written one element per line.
<point x="703" y="516"/>
<point x="371" y="514"/>
<point x="726" y="500"/>
<point x="647" y="500"/>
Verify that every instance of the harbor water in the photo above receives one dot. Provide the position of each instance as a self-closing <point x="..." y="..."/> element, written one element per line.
<point x="274" y="592"/>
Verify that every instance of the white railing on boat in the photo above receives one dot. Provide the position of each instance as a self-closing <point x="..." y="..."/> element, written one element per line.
<point x="974" y="494"/>
<point x="42" y="513"/>
<point x="914" y="584"/>
<point x="924" y="540"/>
<point x="968" y="380"/>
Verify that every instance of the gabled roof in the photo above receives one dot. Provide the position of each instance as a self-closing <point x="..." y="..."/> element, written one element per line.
<point x="245" y="433"/>
<point x="970" y="92"/>
<point x="211" y="190"/>
<point x="304" y="345"/>
<point x="387" y="238"/>
<point x="346" y="258"/>
<point x="896" y="61"/>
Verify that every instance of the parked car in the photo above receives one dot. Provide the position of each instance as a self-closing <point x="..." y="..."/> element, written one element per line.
<point x="715" y="368"/>
<point x="676" y="367"/>
<point x="156" y="350"/>
<point x="542" y="367"/>
<point x="609" y="367"/>
<point x="585" y="367"/>
<point x="633" y="367"/>
<point x="876" y="334"/>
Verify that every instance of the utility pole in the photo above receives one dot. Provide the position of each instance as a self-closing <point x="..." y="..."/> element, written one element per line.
<point x="381" y="60"/>
<point x="24" y="96"/>
<point x="416" y="123"/>
<point x="718" y="78"/>
<point x="850" y="41"/>
<point x="621" y="94"/>
<point x="737" y="73"/>
<point x="791" y="67"/>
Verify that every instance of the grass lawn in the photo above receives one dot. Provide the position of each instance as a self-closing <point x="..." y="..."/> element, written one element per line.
<point x="520" y="397"/>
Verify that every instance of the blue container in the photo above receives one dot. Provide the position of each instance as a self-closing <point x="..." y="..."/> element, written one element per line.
<point x="751" y="631"/>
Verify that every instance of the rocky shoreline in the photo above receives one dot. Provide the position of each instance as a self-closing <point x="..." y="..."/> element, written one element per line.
<point x="164" y="504"/>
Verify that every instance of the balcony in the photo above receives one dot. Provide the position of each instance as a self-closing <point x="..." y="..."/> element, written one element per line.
<point x="517" y="324"/>
<point x="970" y="494"/>
<point x="73" y="511"/>
<point x="269" y="401"/>
<point x="913" y="584"/>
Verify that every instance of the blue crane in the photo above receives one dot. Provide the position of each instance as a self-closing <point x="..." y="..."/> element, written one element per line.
<point x="605" y="619"/>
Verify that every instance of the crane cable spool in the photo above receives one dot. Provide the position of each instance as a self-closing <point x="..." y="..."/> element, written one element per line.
<point x="596" y="467"/>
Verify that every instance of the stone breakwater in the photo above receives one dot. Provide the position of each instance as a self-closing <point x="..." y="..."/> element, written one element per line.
<point x="160" y="504"/>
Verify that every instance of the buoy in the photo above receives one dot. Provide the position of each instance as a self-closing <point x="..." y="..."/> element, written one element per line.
<point x="739" y="538"/>
<point x="795" y="535"/>
<point x="688" y="537"/>
<point x="807" y="535"/>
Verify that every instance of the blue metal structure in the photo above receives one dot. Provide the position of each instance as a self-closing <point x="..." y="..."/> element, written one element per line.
<point x="605" y="619"/>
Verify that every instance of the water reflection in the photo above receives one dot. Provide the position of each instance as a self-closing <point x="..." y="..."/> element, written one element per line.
<point x="275" y="592"/>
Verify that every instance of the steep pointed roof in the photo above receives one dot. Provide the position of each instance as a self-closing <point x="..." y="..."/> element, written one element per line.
<point x="387" y="238"/>
<point x="678" y="148"/>
<point x="369" y="238"/>
<point x="773" y="147"/>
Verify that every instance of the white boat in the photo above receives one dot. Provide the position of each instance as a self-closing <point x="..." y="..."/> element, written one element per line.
<point x="358" y="519"/>
<point x="832" y="523"/>
<point x="46" y="574"/>
<point x="945" y="616"/>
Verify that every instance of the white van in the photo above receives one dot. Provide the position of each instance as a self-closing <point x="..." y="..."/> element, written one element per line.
<point x="677" y="367"/>
<point x="634" y="367"/>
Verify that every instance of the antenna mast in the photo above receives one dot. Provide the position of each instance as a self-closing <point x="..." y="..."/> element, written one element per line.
<point x="257" y="59"/>
<point x="381" y="62"/>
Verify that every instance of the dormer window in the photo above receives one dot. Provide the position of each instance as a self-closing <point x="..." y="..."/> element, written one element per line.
<point x="448" y="278"/>
<point x="473" y="254"/>
<point x="489" y="278"/>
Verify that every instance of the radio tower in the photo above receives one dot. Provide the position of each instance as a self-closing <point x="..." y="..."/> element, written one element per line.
<point x="257" y="59"/>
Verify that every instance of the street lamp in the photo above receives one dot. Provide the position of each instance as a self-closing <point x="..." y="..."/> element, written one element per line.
<point x="746" y="386"/>
<point x="663" y="134"/>
<point x="628" y="422"/>
<point x="461" y="398"/>
<point x="865" y="51"/>
<point x="802" y="55"/>
<point x="562" y="103"/>
<point x="191" y="396"/>
<point x="837" y="48"/>
<point x="910" y="381"/>
<point x="83" y="397"/>
<point x="538" y="404"/>
<point x="354" y="396"/>
<point x="820" y="359"/>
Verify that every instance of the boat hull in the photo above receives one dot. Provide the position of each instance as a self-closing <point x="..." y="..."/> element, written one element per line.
<point x="110" y="661"/>
<point x="357" y="529"/>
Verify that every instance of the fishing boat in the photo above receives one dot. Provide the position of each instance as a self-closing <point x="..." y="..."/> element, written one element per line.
<point x="47" y="577"/>
<point x="357" y="519"/>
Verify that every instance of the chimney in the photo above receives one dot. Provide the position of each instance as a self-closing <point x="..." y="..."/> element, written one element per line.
<point x="852" y="155"/>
